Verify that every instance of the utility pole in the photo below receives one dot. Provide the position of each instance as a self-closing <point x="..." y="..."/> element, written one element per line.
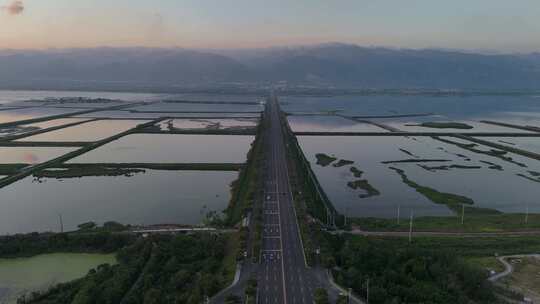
<point x="327" y="216"/>
<point x="462" y="214"/>
<point x="410" y="227"/>
<point x="61" y="223"/>
<point x="398" y="213"/>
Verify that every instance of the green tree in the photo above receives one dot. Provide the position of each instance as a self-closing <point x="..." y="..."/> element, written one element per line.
<point x="321" y="296"/>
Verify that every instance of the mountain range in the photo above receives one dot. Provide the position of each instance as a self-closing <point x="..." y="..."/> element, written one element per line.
<point x="335" y="64"/>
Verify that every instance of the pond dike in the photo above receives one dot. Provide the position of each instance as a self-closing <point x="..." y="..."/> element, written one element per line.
<point x="86" y="148"/>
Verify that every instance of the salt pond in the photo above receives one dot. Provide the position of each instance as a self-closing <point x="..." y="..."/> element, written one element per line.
<point x="197" y="107"/>
<point x="30" y="155"/>
<point x="454" y="107"/>
<point x="329" y="124"/>
<point x="91" y="131"/>
<point x="473" y="175"/>
<point x="531" y="144"/>
<point x="136" y="115"/>
<point x="31" y="113"/>
<point x="207" y="123"/>
<point x="166" y="148"/>
<point x="153" y="197"/>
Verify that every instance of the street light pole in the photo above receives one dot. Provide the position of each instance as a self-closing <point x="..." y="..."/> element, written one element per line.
<point x="410" y="227"/>
<point x="527" y="214"/>
<point x="367" y="292"/>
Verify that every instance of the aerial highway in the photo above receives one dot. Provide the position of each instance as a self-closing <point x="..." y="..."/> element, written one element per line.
<point x="283" y="275"/>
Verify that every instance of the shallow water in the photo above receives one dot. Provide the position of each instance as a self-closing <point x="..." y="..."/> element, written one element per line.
<point x="512" y="193"/>
<point x="215" y="97"/>
<point x="153" y="197"/>
<point x="127" y="114"/>
<point x="7" y="96"/>
<point x="413" y="125"/>
<point x="329" y="124"/>
<point x="454" y="107"/>
<point x="168" y="148"/>
<point x="23" y="129"/>
<point x="208" y="123"/>
<point x="31" y="113"/>
<point x="23" y="275"/>
<point x="531" y="144"/>
<point x="31" y="155"/>
<point x="91" y="131"/>
<point x="193" y="107"/>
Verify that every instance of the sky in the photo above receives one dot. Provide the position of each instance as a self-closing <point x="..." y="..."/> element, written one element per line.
<point x="495" y="25"/>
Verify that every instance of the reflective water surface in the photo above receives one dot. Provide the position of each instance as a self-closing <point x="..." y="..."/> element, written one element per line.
<point x="490" y="181"/>
<point x="329" y="124"/>
<point x="166" y="148"/>
<point x="31" y="155"/>
<point x="152" y="197"/>
<point x="91" y="131"/>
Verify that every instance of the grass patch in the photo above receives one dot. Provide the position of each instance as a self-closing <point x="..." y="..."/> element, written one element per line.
<point x="453" y="201"/>
<point x="415" y="160"/>
<point x="342" y="163"/>
<point x="500" y="154"/>
<point x="9" y="169"/>
<point x="87" y="171"/>
<point x="468" y="247"/>
<point x="356" y="172"/>
<point x="472" y="223"/>
<point x="446" y="168"/>
<point x="364" y="185"/>
<point x="324" y="160"/>
<point x="232" y="248"/>
<point x="445" y="125"/>
<point x="487" y="263"/>
<point x="532" y="179"/>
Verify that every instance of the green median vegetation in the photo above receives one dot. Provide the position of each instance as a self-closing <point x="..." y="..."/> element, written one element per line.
<point x="243" y="190"/>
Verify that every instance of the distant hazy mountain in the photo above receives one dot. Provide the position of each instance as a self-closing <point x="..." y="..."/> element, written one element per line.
<point x="339" y="65"/>
<point x="123" y="64"/>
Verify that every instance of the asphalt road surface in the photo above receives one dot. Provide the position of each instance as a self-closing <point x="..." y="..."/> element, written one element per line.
<point x="282" y="275"/>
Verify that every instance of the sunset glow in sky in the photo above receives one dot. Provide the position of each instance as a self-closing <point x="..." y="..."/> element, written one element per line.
<point x="468" y="24"/>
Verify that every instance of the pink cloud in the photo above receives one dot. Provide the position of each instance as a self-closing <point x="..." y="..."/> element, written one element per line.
<point x="30" y="158"/>
<point x="15" y="7"/>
